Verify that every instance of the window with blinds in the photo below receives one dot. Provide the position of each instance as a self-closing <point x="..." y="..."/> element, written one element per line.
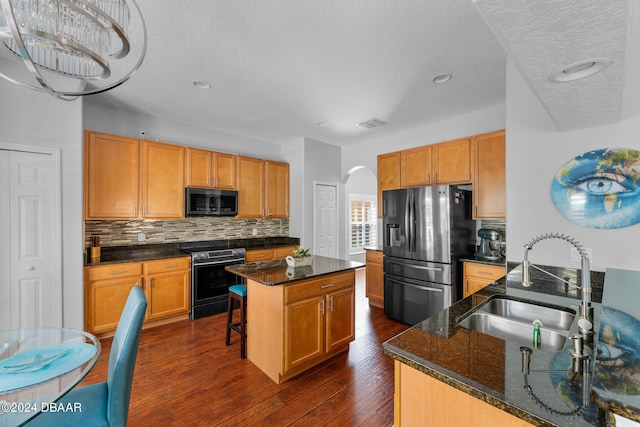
<point x="363" y="222"/>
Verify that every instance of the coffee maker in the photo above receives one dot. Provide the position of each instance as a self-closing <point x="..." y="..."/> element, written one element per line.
<point x="490" y="243"/>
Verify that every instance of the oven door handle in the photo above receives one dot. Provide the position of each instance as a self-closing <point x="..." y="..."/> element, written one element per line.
<point x="227" y="261"/>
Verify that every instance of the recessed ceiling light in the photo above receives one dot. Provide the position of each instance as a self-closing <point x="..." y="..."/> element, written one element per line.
<point x="580" y="70"/>
<point x="201" y="84"/>
<point x="322" y="124"/>
<point x="442" y="78"/>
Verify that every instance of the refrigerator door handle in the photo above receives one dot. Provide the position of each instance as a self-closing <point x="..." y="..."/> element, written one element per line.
<point x="407" y="220"/>
<point x="411" y="285"/>
<point x="413" y="221"/>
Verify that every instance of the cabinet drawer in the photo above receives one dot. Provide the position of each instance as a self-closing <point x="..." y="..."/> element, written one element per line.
<point x="375" y="256"/>
<point x="167" y="265"/>
<point x="279" y="253"/>
<point x="318" y="287"/>
<point x="259" y="255"/>
<point x="483" y="271"/>
<point x="114" y="271"/>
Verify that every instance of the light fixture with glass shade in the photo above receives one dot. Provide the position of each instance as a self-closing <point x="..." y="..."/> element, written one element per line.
<point x="71" y="48"/>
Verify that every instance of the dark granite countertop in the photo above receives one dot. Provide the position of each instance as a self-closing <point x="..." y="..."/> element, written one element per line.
<point x="149" y="252"/>
<point x="490" y="369"/>
<point x="502" y="262"/>
<point x="276" y="272"/>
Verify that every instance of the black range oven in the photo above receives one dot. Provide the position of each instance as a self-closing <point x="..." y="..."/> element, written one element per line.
<point x="209" y="280"/>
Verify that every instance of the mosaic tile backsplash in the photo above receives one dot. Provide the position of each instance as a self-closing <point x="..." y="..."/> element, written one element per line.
<point x="125" y="233"/>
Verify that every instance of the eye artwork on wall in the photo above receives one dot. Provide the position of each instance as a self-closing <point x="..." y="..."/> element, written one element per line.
<point x="599" y="189"/>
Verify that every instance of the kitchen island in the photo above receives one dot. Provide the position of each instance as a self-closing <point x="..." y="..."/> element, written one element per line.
<point x="449" y="375"/>
<point x="298" y="317"/>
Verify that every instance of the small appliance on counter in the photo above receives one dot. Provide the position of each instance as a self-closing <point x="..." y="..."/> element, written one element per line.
<point x="490" y="244"/>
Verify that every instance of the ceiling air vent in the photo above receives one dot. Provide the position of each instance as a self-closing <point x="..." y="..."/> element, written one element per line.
<point x="373" y="123"/>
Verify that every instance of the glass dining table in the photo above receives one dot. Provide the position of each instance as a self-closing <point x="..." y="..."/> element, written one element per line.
<point x="39" y="366"/>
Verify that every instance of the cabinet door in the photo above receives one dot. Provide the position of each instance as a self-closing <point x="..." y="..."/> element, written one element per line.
<point x="162" y="180"/>
<point x="375" y="279"/>
<point x="277" y="190"/>
<point x="304" y="332"/>
<point x="224" y="171"/>
<point x="250" y="187"/>
<point x="476" y="276"/>
<point x="111" y="173"/>
<point x="452" y="162"/>
<point x="199" y="168"/>
<point x="388" y="175"/>
<point x="104" y="302"/>
<point x="340" y="319"/>
<point x="167" y="294"/>
<point x="489" y="176"/>
<point x="416" y="167"/>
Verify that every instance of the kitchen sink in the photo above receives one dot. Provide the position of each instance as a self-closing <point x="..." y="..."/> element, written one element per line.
<point x="511" y="319"/>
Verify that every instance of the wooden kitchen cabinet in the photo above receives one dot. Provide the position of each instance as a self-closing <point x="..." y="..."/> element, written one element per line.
<point x="416" y="167"/>
<point x="476" y="276"/>
<point x="267" y="254"/>
<point x="388" y="175"/>
<point x="375" y="278"/>
<point x="263" y="188"/>
<point x="106" y="292"/>
<point x="167" y="287"/>
<point x="210" y="169"/>
<point x="452" y="162"/>
<point x="162" y="180"/>
<point x="423" y="400"/>
<point x="166" y="284"/>
<point x="276" y="189"/>
<point x="111" y="176"/>
<point x="489" y="182"/>
<point x="292" y="327"/>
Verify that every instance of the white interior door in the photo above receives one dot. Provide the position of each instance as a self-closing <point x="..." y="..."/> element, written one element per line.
<point x="33" y="295"/>
<point x="325" y="220"/>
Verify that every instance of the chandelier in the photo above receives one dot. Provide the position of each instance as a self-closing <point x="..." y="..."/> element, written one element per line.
<point x="87" y="41"/>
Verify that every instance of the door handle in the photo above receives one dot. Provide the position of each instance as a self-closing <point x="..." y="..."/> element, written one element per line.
<point x="331" y="303"/>
<point x="322" y="306"/>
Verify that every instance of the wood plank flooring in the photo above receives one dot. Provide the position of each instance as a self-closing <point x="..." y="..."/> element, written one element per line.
<point x="186" y="376"/>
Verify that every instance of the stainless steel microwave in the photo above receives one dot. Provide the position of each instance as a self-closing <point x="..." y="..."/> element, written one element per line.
<point x="210" y="202"/>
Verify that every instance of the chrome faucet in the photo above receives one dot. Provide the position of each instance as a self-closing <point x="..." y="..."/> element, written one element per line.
<point x="585" y="324"/>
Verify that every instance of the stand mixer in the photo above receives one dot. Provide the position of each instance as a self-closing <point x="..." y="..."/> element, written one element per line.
<point x="489" y="248"/>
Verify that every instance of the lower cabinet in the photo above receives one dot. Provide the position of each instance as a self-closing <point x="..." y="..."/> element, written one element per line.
<point x="423" y="400"/>
<point x="375" y="278"/>
<point x="476" y="276"/>
<point x="166" y="284"/>
<point x="291" y="328"/>
<point x="256" y="255"/>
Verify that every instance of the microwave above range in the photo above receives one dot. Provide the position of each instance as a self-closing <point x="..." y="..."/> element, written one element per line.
<point x="210" y="202"/>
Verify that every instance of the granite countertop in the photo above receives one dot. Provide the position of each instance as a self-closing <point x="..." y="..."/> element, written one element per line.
<point x="502" y="262"/>
<point x="490" y="369"/>
<point x="276" y="272"/>
<point x="149" y="252"/>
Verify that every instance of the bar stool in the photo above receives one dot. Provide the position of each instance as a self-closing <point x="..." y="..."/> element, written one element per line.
<point x="238" y="293"/>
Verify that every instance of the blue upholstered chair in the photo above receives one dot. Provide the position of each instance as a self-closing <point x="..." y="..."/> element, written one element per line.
<point x="107" y="403"/>
<point x="238" y="293"/>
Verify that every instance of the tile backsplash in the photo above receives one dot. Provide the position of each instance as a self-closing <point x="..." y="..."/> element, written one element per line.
<point x="125" y="233"/>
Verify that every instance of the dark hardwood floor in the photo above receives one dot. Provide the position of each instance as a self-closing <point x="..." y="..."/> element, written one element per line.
<point x="186" y="376"/>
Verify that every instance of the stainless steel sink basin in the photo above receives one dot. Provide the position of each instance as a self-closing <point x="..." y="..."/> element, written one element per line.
<point x="512" y="319"/>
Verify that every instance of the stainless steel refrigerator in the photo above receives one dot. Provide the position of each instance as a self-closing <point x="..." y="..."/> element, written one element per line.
<point x="426" y="231"/>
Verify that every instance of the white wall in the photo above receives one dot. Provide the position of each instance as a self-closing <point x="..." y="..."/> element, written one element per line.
<point x="535" y="151"/>
<point x="32" y="118"/>
<point x="120" y="122"/>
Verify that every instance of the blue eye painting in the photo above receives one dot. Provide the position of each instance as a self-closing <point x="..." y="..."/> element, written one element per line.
<point x="599" y="189"/>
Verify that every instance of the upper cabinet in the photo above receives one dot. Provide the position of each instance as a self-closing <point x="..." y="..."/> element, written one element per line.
<point x="107" y="194"/>
<point x="210" y="169"/>
<point x="263" y="188"/>
<point x="452" y="162"/>
<point x="388" y="175"/>
<point x="489" y="187"/>
<point x="477" y="160"/>
<point x="126" y="178"/>
<point x="415" y="167"/>
<point x="162" y="180"/>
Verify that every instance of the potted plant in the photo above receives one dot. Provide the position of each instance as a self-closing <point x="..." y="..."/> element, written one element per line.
<point x="301" y="257"/>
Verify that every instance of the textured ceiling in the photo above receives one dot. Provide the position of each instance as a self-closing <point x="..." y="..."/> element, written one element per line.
<point x="278" y="67"/>
<point x="544" y="37"/>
